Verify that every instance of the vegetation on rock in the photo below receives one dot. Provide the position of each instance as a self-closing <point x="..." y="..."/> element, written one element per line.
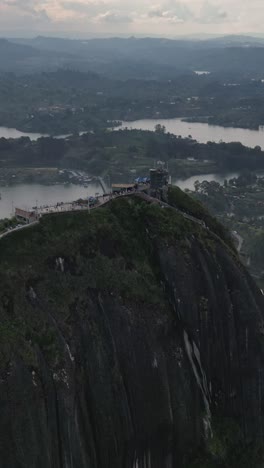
<point x="122" y="331"/>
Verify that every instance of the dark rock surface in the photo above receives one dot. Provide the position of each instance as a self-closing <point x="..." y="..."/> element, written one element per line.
<point x="129" y="338"/>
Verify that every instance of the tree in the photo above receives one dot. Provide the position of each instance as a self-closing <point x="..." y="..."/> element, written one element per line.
<point x="51" y="149"/>
<point x="4" y="144"/>
<point x="257" y="149"/>
<point x="196" y="185"/>
<point x="160" y="128"/>
<point x="152" y="148"/>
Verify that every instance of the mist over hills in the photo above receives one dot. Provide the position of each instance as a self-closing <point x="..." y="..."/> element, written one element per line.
<point x="134" y="57"/>
<point x="25" y="58"/>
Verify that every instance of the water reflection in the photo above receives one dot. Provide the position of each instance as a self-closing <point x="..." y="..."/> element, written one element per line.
<point x="203" y="132"/>
<point x="28" y="195"/>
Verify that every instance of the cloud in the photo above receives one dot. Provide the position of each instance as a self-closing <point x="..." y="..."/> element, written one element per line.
<point x="114" y="17"/>
<point x="34" y="8"/>
<point x="165" y="16"/>
<point x="168" y="16"/>
<point x="138" y="16"/>
<point x="90" y="8"/>
<point x="98" y="11"/>
<point x="171" y="11"/>
<point x="212" y="13"/>
<point x="30" y="6"/>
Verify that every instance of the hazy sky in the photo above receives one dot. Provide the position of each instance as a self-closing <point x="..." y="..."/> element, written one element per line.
<point x="166" y="17"/>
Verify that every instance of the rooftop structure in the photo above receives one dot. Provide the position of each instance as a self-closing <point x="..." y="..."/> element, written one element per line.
<point x="116" y="188"/>
<point x="142" y="180"/>
<point x="26" y="216"/>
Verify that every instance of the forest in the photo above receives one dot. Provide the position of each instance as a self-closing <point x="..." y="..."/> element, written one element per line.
<point x="125" y="152"/>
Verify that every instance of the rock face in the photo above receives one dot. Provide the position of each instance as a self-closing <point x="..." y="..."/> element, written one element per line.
<point x="129" y="338"/>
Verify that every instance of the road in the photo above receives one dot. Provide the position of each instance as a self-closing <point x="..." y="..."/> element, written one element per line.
<point x="25" y="226"/>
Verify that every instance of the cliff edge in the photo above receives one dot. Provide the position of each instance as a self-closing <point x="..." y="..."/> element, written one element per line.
<point x="129" y="337"/>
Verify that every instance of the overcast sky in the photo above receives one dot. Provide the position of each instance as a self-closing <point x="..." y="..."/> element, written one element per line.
<point x="168" y="18"/>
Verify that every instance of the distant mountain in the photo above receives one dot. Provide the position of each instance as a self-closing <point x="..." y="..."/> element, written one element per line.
<point x="133" y="43"/>
<point x="20" y="57"/>
<point x="148" y="58"/>
<point x="234" y="41"/>
<point x="11" y="51"/>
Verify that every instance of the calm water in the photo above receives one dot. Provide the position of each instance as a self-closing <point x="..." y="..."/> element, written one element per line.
<point x="199" y="131"/>
<point x="189" y="183"/>
<point x="27" y="195"/>
<point x="13" y="133"/>
<point x="203" y="132"/>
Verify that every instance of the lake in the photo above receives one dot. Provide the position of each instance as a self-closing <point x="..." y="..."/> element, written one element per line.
<point x="13" y="133"/>
<point x="28" y="195"/>
<point x="189" y="183"/>
<point x="203" y="132"/>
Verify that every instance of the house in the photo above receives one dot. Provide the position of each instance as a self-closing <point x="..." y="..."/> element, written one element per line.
<point x="26" y="216"/>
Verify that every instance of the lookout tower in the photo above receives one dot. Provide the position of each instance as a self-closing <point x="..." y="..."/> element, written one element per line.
<point x="159" y="177"/>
